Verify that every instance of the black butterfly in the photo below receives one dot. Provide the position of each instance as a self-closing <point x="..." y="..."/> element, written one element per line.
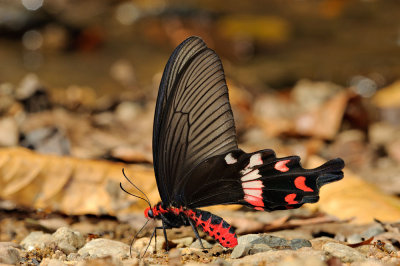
<point x="197" y="161"/>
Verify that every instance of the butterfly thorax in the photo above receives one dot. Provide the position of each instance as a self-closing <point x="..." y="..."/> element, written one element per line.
<point x="157" y="211"/>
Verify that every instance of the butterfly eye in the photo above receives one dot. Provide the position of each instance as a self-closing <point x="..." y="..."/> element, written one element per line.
<point x="150" y="214"/>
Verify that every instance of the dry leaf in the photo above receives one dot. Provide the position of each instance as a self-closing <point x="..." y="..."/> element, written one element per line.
<point x="69" y="185"/>
<point x="388" y="97"/>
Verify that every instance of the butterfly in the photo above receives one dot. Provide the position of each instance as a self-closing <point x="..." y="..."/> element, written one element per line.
<point x="197" y="162"/>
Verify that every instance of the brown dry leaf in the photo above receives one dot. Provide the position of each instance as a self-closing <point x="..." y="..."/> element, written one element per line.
<point x="270" y="29"/>
<point x="354" y="197"/>
<point x="388" y="97"/>
<point x="325" y="121"/>
<point x="69" y="185"/>
<point x="365" y="242"/>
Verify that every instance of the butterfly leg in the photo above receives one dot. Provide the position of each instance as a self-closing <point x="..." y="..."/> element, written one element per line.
<point x="196" y="233"/>
<point x="165" y="235"/>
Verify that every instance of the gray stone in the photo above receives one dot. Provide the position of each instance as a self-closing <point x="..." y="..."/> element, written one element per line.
<point x="345" y="253"/>
<point x="68" y="240"/>
<point x="272" y="241"/>
<point x="248" y="238"/>
<point x="9" y="255"/>
<point x="299" y="243"/>
<point x="38" y="240"/>
<point x="196" y="244"/>
<point x="100" y="247"/>
<point x="258" y="248"/>
<point x="240" y="250"/>
<point x="374" y="230"/>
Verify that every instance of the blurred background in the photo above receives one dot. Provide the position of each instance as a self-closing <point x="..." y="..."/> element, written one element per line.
<point x="79" y="79"/>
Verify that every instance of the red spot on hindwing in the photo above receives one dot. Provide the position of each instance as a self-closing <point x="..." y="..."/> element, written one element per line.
<point x="300" y="183"/>
<point x="224" y="236"/>
<point x="281" y="166"/>
<point x="290" y="198"/>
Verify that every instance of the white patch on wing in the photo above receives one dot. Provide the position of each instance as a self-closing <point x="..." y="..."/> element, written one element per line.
<point x="229" y="159"/>
<point x="255" y="160"/>
<point x="253" y="192"/>
<point x="251" y="176"/>
<point x="256" y="184"/>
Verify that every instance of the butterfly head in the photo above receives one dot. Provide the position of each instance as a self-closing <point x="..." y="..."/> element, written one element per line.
<point x="148" y="212"/>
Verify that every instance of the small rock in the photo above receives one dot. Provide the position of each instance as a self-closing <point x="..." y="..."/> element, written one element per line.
<point x="68" y="240"/>
<point x="196" y="244"/>
<point x="143" y="243"/>
<point x="372" y="231"/>
<point x="174" y="257"/>
<point x="272" y="241"/>
<point x="216" y="250"/>
<point x="52" y="262"/>
<point x="240" y="250"/>
<point x="248" y="238"/>
<point x="127" y="111"/>
<point x="130" y="262"/>
<point x="59" y="255"/>
<point x="100" y="247"/>
<point x="9" y="255"/>
<point x="258" y="248"/>
<point x="345" y="253"/>
<point x="38" y="240"/>
<point x="318" y="242"/>
<point x="9" y="133"/>
<point x="183" y="242"/>
<point x="299" y="243"/>
<point x="73" y="257"/>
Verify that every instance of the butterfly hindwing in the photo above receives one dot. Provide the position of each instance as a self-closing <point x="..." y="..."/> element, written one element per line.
<point x="258" y="180"/>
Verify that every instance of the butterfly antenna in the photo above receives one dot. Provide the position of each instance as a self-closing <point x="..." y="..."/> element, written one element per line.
<point x="147" y="199"/>
<point x="120" y="185"/>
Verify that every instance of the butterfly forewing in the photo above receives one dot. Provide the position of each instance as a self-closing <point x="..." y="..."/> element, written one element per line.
<point x="193" y="119"/>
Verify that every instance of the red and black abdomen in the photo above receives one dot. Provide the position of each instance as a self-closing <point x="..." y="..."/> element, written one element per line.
<point x="214" y="226"/>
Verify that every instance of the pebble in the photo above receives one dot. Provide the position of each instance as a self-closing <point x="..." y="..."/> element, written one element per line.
<point x="374" y="230"/>
<point x="299" y="243"/>
<point x="73" y="256"/>
<point x="272" y="241"/>
<point x="38" y="239"/>
<point x="248" y="238"/>
<point x="9" y="254"/>
<point x="240" y="250"/>
<point x="142" y="243"/>
<point x="196" y="244"/>
<point x="68" y="240"/>
<point x="101" y="247"/>
<point x="345" y="253"/>
<point x="183" y="242"/>
<point x="216" y="250"/>
<point x="51" y="262"/>
<point x="174" y="257"/>
<point x="258" y="248"/>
